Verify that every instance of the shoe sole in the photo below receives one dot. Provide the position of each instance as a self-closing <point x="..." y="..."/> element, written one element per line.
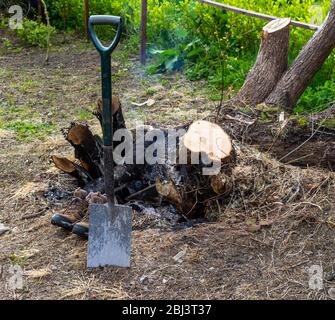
<point x="80" y="231"/>
<point x="62" y="222"/>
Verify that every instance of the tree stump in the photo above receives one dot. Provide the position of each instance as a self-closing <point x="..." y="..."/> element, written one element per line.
<point x="271" y="63"/>
<point x="190" y="185"/>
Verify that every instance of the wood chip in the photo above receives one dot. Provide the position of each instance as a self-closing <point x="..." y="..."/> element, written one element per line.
<point x="149" y="103"/>
<point x="3" y="229"/>
<point x="40" y="273"/>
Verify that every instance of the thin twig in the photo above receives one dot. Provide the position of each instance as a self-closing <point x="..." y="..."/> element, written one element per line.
<point x="34" y="215"/>
<point x="301" y="145"/>
<point x="49" y="31"/>
<point x="300" y="158"/>
<point x="239" y="120"/>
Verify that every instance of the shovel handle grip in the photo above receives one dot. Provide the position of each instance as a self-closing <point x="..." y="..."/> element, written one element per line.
<point x="104" y="20"/>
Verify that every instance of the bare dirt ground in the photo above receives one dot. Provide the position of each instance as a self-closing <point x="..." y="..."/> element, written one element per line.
<point x="226" y="259"/>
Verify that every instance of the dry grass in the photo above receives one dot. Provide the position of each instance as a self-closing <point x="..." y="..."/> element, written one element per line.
<point x="232" y="258"/>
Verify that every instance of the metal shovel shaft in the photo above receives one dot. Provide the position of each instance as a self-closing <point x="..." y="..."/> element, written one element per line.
<point x="107" y="125"/>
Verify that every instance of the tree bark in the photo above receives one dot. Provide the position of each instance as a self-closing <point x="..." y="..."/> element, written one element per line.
<point x="310" y="59"/>
<point x="271" y="63"/>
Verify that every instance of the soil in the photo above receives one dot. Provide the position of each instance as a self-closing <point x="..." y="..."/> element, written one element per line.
<point x="279" y="223"/>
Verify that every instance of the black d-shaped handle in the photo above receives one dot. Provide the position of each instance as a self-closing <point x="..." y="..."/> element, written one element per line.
<point x="105" y="20"/>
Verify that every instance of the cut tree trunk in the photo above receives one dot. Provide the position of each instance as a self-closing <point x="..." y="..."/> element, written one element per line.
<point x="191" y="187"/>
<point x="87" y="146"/>
<point x="271" y="63"/>
<point x="305" y="66"/>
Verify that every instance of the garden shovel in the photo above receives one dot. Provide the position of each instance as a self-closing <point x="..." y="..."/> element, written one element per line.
<point x="109" y="239"/>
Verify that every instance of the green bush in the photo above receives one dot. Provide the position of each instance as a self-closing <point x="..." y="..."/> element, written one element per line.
<point x="34" y="33"/>
<point x="66" y="14"/>
<point x="317" y="98"/>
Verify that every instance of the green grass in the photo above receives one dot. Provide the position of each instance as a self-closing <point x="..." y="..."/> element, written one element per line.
<point x="25" y="121"/>
<point x="84" y="114"/>
<point x="151" y="91"/>
<point x="17" y="260"/>
<point x="27" y="85"/>
<point x="330" y="123"/>
<point x="27" y="131"/>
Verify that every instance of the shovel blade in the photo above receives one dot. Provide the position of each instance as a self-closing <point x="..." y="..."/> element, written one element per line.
<point x="109" y="238"/>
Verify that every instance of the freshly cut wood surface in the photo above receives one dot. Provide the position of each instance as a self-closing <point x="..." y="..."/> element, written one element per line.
<point x="277" y="25"/>
<point x="63" y="164"/>
<point x="208" y="137"/>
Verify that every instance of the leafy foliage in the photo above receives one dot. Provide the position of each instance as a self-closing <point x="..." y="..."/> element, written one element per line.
<point x="317" y="98"/>
<point x="66" y="15"/>
<point x="34" y="33"/>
